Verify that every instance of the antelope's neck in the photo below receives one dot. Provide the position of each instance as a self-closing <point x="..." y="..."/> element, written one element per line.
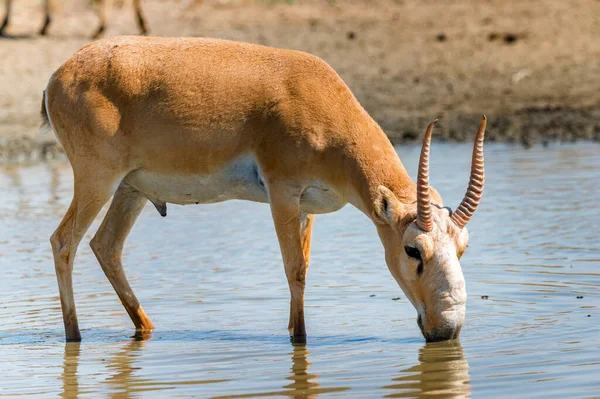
<point x="375" y="163"/>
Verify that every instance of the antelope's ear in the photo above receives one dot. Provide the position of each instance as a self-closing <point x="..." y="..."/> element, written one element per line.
<point x="386" y="206"/>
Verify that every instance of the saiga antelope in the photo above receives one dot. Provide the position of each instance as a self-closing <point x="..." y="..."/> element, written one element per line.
<point x="188" y="121"/>
<point x="103" y="9"/>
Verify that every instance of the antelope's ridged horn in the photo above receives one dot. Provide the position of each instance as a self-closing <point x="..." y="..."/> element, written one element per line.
<point x="467" y="207"/>
<point x="424" y="220"/>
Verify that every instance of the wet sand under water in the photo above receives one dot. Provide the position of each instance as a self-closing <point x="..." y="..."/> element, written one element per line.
<point x="211" y="279"/>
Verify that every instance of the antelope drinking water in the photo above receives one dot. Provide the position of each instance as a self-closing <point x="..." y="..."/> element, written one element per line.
<point x="188" y="121"/>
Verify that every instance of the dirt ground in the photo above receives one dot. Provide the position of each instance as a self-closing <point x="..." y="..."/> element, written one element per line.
<point x="532" y="67"/>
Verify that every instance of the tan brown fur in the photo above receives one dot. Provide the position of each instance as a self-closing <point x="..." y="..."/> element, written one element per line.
<point x="189" y="107"/>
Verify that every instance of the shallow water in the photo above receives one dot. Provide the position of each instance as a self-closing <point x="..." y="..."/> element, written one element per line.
<point x="211" y="279"/>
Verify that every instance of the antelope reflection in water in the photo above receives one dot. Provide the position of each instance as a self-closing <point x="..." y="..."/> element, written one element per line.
<point x="70" y="365"/>
<point x="442" y="371"/>
<point x="302" y="383"/>
<point x="123" y="381"/>
<point x="300" y="378"/>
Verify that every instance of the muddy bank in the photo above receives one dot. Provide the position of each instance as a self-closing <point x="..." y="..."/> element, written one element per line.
<point x="525" y="126"/>
<point x="531" y="67"/>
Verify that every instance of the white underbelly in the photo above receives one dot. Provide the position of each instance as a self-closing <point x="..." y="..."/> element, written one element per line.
<point x="241" y="180"/>
<point x="238" y="180"/>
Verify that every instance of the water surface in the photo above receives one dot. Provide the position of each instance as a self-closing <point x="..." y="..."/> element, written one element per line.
<point x="211" y="279"/>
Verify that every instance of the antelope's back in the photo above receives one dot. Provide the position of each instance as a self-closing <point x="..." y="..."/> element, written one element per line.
<point x="185" y="95"/>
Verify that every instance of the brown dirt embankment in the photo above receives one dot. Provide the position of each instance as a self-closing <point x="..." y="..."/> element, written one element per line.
<point x="532" y="67"/>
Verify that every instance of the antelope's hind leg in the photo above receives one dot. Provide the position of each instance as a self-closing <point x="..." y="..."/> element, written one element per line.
<point x="107" y="245"/>
<point x="89" y="197"/>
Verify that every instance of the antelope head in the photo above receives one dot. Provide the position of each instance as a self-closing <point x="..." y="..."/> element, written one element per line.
<point x="424" y="243"/>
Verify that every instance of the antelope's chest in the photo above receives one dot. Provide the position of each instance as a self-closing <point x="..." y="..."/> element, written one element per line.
<point x="240" y="179"/>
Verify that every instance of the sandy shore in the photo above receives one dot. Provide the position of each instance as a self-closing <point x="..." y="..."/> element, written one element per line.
<point x="532" y="67"/>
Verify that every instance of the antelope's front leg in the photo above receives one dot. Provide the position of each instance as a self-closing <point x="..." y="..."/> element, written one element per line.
<point x="306" y="224"/>
<point x="293" y="232"/>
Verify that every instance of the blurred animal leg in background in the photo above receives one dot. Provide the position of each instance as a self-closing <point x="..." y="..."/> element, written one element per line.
<point x="105" y="7"/>
<point x="141" y="21"/>
<point x="102" y="11"/>
<point x="48" y="9"/>
<point x="8" y="6"/>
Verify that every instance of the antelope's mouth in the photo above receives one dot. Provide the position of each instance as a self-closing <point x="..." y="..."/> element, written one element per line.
<point x="446" y="333"/>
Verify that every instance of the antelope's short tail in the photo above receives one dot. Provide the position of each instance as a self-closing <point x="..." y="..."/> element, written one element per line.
<point x="46" y="126"/>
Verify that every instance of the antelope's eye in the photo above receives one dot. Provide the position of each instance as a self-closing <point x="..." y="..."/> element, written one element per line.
<point x="412" y="252"/>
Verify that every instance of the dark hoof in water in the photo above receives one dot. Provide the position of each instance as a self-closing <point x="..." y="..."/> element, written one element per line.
<point x="298" y="340"/>
<point x="76" y="339"/>
<point x="141" y="335"/>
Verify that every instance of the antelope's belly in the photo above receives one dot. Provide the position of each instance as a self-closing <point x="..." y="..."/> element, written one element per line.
<point x="239" y="179"/>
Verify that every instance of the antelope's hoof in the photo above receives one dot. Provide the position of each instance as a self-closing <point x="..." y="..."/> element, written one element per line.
<point x="72" y="333"/>
<point x="298" y="339"/>
<point x="142" y="335"/>
<point x="74" y="338"/>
